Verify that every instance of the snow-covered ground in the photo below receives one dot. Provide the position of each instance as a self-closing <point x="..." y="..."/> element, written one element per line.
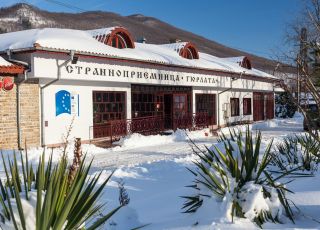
<point x="155" y="187"/>
<point x="154" y="171"/>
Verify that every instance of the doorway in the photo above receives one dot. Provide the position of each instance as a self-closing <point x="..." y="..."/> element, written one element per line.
<point x="263" y="106"/>
<point x="167" y="102"/>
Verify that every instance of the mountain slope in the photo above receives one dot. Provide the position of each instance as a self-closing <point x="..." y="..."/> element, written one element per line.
<point x="23" y="16"/>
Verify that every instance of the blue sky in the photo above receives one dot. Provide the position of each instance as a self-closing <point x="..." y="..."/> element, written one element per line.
<point x="256" y="26"/>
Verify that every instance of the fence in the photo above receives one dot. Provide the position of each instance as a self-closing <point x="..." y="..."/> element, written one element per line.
<point x="149" y="125"/>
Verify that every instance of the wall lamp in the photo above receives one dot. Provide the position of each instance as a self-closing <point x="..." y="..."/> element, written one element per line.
<point x="74" y="58"/>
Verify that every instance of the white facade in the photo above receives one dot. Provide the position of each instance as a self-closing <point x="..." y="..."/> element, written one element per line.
<point x="90" y="74"/>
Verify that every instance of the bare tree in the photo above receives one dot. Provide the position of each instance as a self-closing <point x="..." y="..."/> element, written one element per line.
<point x="304" y="37"/>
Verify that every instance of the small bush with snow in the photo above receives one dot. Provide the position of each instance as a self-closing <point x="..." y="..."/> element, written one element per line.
<point x="301" y="151"/>
<point x="235" y="173"/>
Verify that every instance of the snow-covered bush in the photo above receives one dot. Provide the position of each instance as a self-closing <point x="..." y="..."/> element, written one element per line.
<point x="235" y="172"/>
<point x="285" y="106"/>
<point x="301" y="151"/>
<point x="54" y="196"/>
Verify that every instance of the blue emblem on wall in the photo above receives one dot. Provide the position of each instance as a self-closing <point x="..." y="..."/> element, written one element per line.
<point x="63" y="102"/>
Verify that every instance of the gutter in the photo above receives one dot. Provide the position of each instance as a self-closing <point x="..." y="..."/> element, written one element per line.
<point x="228" y="89"/>
<point x="71" y="59"/>
<point x="9" y="53"/>
<point x="88" y="54"/>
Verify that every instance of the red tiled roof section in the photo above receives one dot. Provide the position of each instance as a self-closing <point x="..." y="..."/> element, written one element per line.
<point x="14" y="69"/>
<point x="10" y="69"/>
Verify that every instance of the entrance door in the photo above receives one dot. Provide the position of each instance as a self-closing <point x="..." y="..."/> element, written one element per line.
<point x="180" y="111"/>
<point x="180" y="106"/>
<point x="270" y="106"/>
<point x="258" y="106"/>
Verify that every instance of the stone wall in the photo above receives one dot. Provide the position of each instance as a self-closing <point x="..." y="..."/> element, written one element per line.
<point x="30" y="121"/>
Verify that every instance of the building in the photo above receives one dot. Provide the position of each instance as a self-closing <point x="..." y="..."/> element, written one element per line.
<point x="19" y="118"/>
<point x="104" y="84"/>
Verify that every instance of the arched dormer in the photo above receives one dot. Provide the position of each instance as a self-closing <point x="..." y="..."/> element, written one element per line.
<point x="117" y="37"/>
<point x="242" y="61"/>
<point x="189" y="51"/>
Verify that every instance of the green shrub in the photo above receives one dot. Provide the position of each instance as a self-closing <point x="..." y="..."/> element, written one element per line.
<point x="60" y="202"/>
<point x="234" y="171"/>
<point x="285" y="106"/>
<point x="298" y="151"/>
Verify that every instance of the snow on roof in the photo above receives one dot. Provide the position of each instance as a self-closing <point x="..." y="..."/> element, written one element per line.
<point x="5" y="63"/>
<point x="176" y="46"/>
<point x="235" y="59"/>
<point x="9" y="68"/>
<point x="83" y="41"/>
<point x="102" y="31"/>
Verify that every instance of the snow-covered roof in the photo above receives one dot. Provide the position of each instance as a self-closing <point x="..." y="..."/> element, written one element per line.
<point x="5" y="63"/>
<point x="9" y="68"/>
<point x="84" y="41"/>
<point x="102" y="31"/>
<point x="235" y="59"/>
<point x="176" y="46"/>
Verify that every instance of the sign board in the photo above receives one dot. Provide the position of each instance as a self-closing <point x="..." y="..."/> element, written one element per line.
<point x="67" y="102"/>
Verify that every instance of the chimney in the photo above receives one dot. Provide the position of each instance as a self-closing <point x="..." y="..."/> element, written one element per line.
<point x="175" y="40"/>
<point x="142" y="40"/>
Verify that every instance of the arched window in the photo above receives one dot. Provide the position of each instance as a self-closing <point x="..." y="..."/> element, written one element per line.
<point x="189" y="51"/>
<point x="117" y="37"/>
<point x="119" y="41"/>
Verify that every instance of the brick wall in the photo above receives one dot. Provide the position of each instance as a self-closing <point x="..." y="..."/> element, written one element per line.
<point x="30" y="122"/>
<point x="8" y="119"/>
<point x="30" y="114"/>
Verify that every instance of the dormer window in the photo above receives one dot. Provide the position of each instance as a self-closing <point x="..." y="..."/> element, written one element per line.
<point x="189" y="51"/>
<point x="121" y="40"/>
<point x="242" y="61"/>
<point x="117" y="37"/>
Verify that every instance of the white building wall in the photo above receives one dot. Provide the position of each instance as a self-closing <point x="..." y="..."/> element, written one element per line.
<point x="224" y="98"/>
<point x="225" y="101"/>
<point x="45" y="68"/>
<point x="57" y="126"/>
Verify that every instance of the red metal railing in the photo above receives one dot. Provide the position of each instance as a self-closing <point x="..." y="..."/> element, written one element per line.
<point x="150" y="125"/>
<point x="192" y="121"/>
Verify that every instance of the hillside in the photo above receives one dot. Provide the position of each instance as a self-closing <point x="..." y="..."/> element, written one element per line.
<point x="23" y="16"/>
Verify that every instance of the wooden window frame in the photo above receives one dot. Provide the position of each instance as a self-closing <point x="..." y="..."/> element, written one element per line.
<point x="247" y="106"/>
<point x="108" y="107"/>
<point x="206" y="102"/>
<point x="235" y="112"/>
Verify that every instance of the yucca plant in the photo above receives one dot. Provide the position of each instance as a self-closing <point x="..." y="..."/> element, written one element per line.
<point x="235" y="171"/>
<point x="59" y="203"/>
<point x="299" y="150"/>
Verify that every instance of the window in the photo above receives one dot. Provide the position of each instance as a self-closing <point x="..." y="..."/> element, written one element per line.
<point x="206" y="103"/>
<point x="118" y="41"/>
<point x="234" y="102"/>
<point x="149" y="100"/>
<point x="247" y="106"/>
<point x="119" y="38"/>
<point x="108" y="106"/>
<point x="146" y="104"/>
<point x="189" y="51"/>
